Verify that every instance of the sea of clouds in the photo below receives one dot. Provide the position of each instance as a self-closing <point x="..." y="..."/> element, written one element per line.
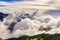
<point x="46" y="24"/>
<point x="21" y="23"/>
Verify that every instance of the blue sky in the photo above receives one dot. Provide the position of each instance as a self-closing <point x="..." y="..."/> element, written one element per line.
<point x="10" y="0"/>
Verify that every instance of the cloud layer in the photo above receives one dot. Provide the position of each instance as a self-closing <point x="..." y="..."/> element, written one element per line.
<point x="45" y="24"/>
<point x="24" y="21"/>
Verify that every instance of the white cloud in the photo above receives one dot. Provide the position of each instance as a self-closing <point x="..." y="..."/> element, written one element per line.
<point x="27" y="26"/>
<point x="31" y="27"/>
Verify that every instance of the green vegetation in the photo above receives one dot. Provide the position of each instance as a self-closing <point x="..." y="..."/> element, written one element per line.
<point x="39" y="37"/>
<point x="34" y="39"/>
<point x="1" y="39"/>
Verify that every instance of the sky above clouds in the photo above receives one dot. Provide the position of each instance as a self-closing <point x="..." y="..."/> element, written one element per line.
<point x="25" y="0"/>
<point x="10" y="0"/>
<point x="36" y="1"/>
<point x="39" y="1"/>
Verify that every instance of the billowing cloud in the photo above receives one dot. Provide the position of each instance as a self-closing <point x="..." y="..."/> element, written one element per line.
<point x="22" y="20"/>
<point x="44" y="24"/>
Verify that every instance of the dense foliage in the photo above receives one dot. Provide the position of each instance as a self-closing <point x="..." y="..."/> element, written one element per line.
<point x="39" y="37"/>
